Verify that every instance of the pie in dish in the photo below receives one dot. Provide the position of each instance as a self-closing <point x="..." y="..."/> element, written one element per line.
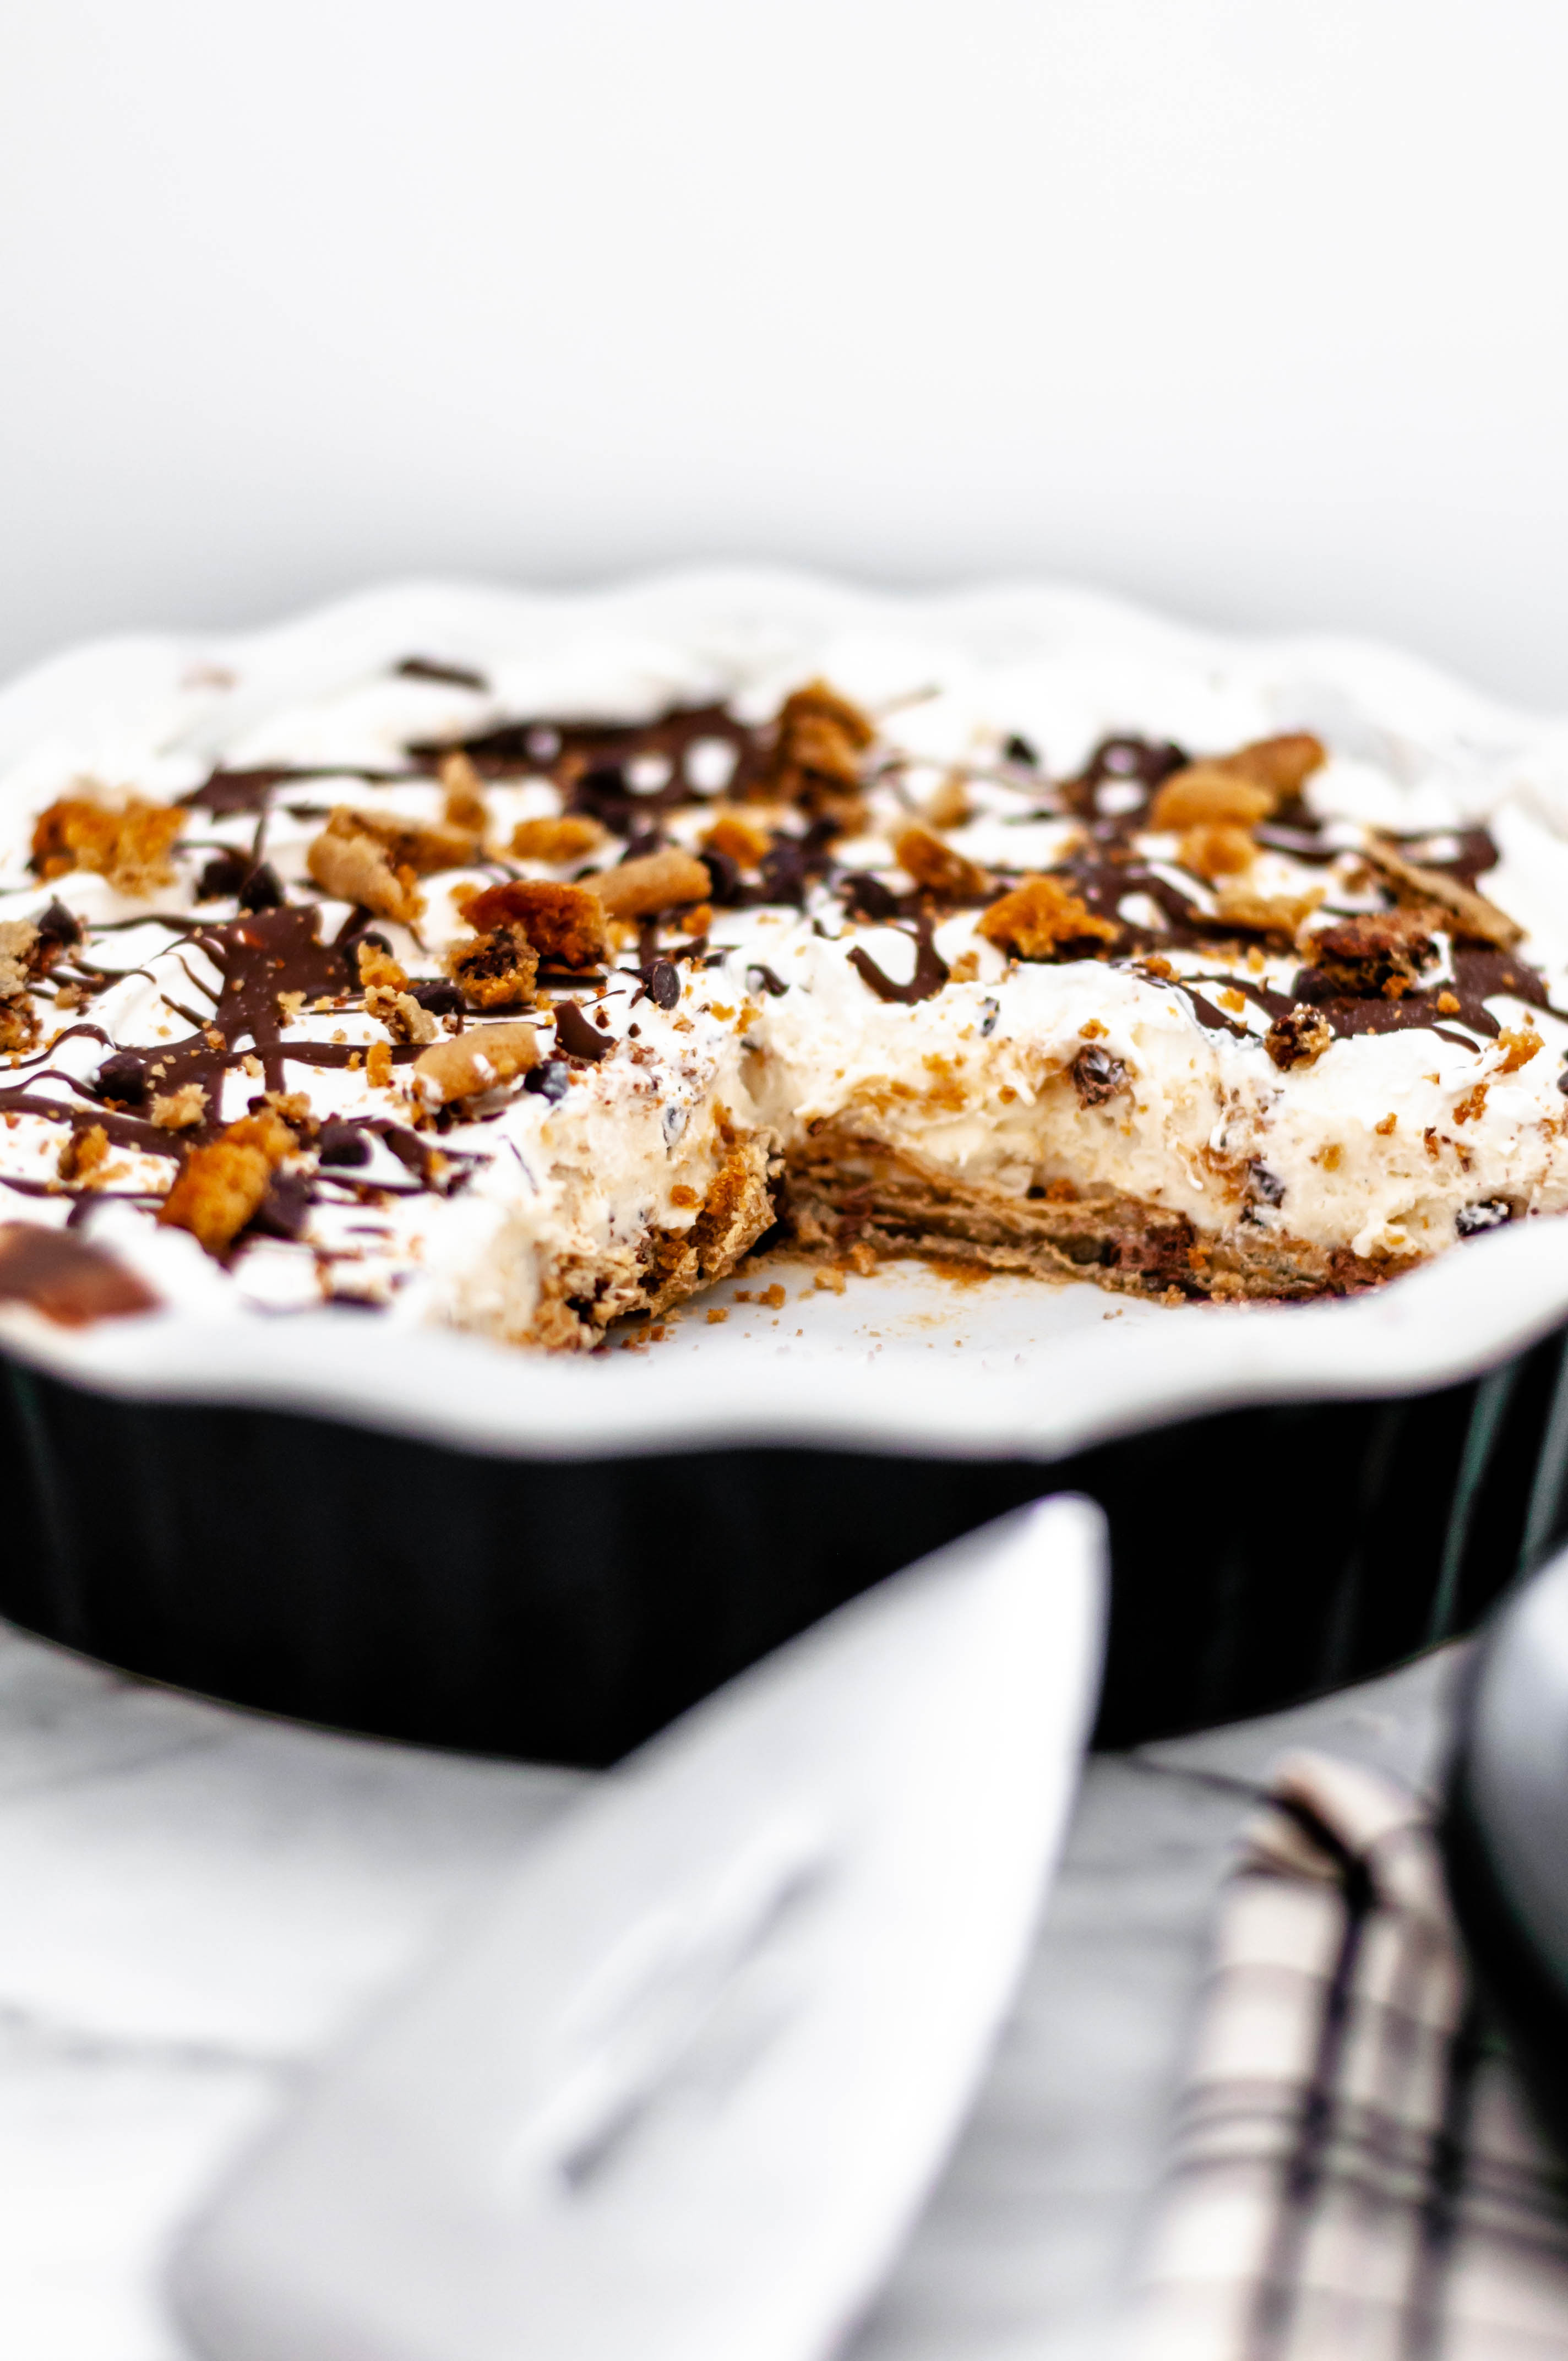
<point x="455" y="988"/>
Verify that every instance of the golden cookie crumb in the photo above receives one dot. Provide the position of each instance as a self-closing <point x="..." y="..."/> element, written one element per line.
<point x="180" y="1109"/>
<point x="1042" y="919"/>
<point x="570" y="838"/>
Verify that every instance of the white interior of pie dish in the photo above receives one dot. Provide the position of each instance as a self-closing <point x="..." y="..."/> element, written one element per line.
<point x="903" y="1359"/>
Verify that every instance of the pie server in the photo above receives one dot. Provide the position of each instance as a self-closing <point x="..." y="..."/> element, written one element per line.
<point x="1505" y="1828"/>
<point x="680" y="2091"/>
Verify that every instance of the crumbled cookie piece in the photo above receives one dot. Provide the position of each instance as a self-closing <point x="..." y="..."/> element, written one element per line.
<point x="423" y="846"/>
<point x="220" y="1185"/>
<point x="935" y="865"/>
<point x="1043" y="920"/>
<point x="949" y="806"/>
<point x="497" y="970"/>
<point x="666" y="880"/>
<point x="1281" y="916"/>
<point x="464" y="806"/>
<point x="1205" y="795"/>
<point x="351" y="863"/>
<point x="378" y="1066"/>
<point x="20" y="1027"/>
<point x="1376" y="956"/>
<point x="1299" y="1037"/>
<point x="816" y="759"/>
<point x="379" y="970"/>
<point x="1437" y="900"/>
<point x="1518" y="1046"/>
<point x="736" y="839"/>
<point x="1283" y="764"/>
<point x="84" y="1154"/>
<point x="473" y="1062"/>
<point x="1220" y="849"/>
<point x="571" y="837"/>
<point x="127" y="842"/>
<point x="19" y="945"/>
<point x="565" y="924"/>
<point x="181" y="1110"/>
<point x="401" y="1014"/>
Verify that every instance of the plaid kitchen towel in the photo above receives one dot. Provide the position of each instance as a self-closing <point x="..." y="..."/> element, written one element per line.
<point x="1355" y="2176"/>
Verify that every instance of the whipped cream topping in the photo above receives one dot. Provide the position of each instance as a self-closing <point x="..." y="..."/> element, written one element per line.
<point x="1428" y="1114"/>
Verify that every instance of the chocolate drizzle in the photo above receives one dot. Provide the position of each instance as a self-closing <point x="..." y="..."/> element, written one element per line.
<point x="589" y="760"/>
<point x="931" y="971"/>
<point x="433" y="668"/>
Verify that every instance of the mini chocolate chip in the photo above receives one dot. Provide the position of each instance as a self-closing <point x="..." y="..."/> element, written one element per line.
<point x="223" y="875"/>
<point x="763" y="978"/>
<point x="262" y="889"/>
<point x="1018" y="749"/>
<point x="1267" y="1186"/>
<point x="663" y="979"/>
<point x="440" y="996"/>
<point x="343" y="1143"/>
<point x="642" y="842"/>
<point x="123" y="1077"/>
<point x="283" y="1212"/>
<point x="1488" y="1213"/>
<point x="552" y="1079"/>
<point x="405" y="1145"/>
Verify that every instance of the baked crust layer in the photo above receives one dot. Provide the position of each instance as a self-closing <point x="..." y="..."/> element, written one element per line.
<point x="846" y="1193"/>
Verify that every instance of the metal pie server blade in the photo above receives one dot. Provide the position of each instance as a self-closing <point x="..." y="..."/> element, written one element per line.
<point x="679" y="2093"/>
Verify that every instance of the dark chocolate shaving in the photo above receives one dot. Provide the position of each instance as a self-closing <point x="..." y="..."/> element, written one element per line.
<point x="343" y="1143"/>
<point x="440" y="996"/>
<point x="65" y="1278"/>
<point x="222" y="876"/>
<point x="262" y="889"/>
<point x="123" y="1077"/>
<point x="577" y="1035"/>
<point x="763" y="978"/>
<point x="283" y="1211"/>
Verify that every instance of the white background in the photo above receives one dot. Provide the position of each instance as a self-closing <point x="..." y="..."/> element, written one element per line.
<point x="1254" y="308"/>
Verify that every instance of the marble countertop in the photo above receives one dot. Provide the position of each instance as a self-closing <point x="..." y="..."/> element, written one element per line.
<point x="198" y="1901"/>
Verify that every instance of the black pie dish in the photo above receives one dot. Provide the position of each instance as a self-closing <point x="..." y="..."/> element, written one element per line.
<point x="562" y="1603"/>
